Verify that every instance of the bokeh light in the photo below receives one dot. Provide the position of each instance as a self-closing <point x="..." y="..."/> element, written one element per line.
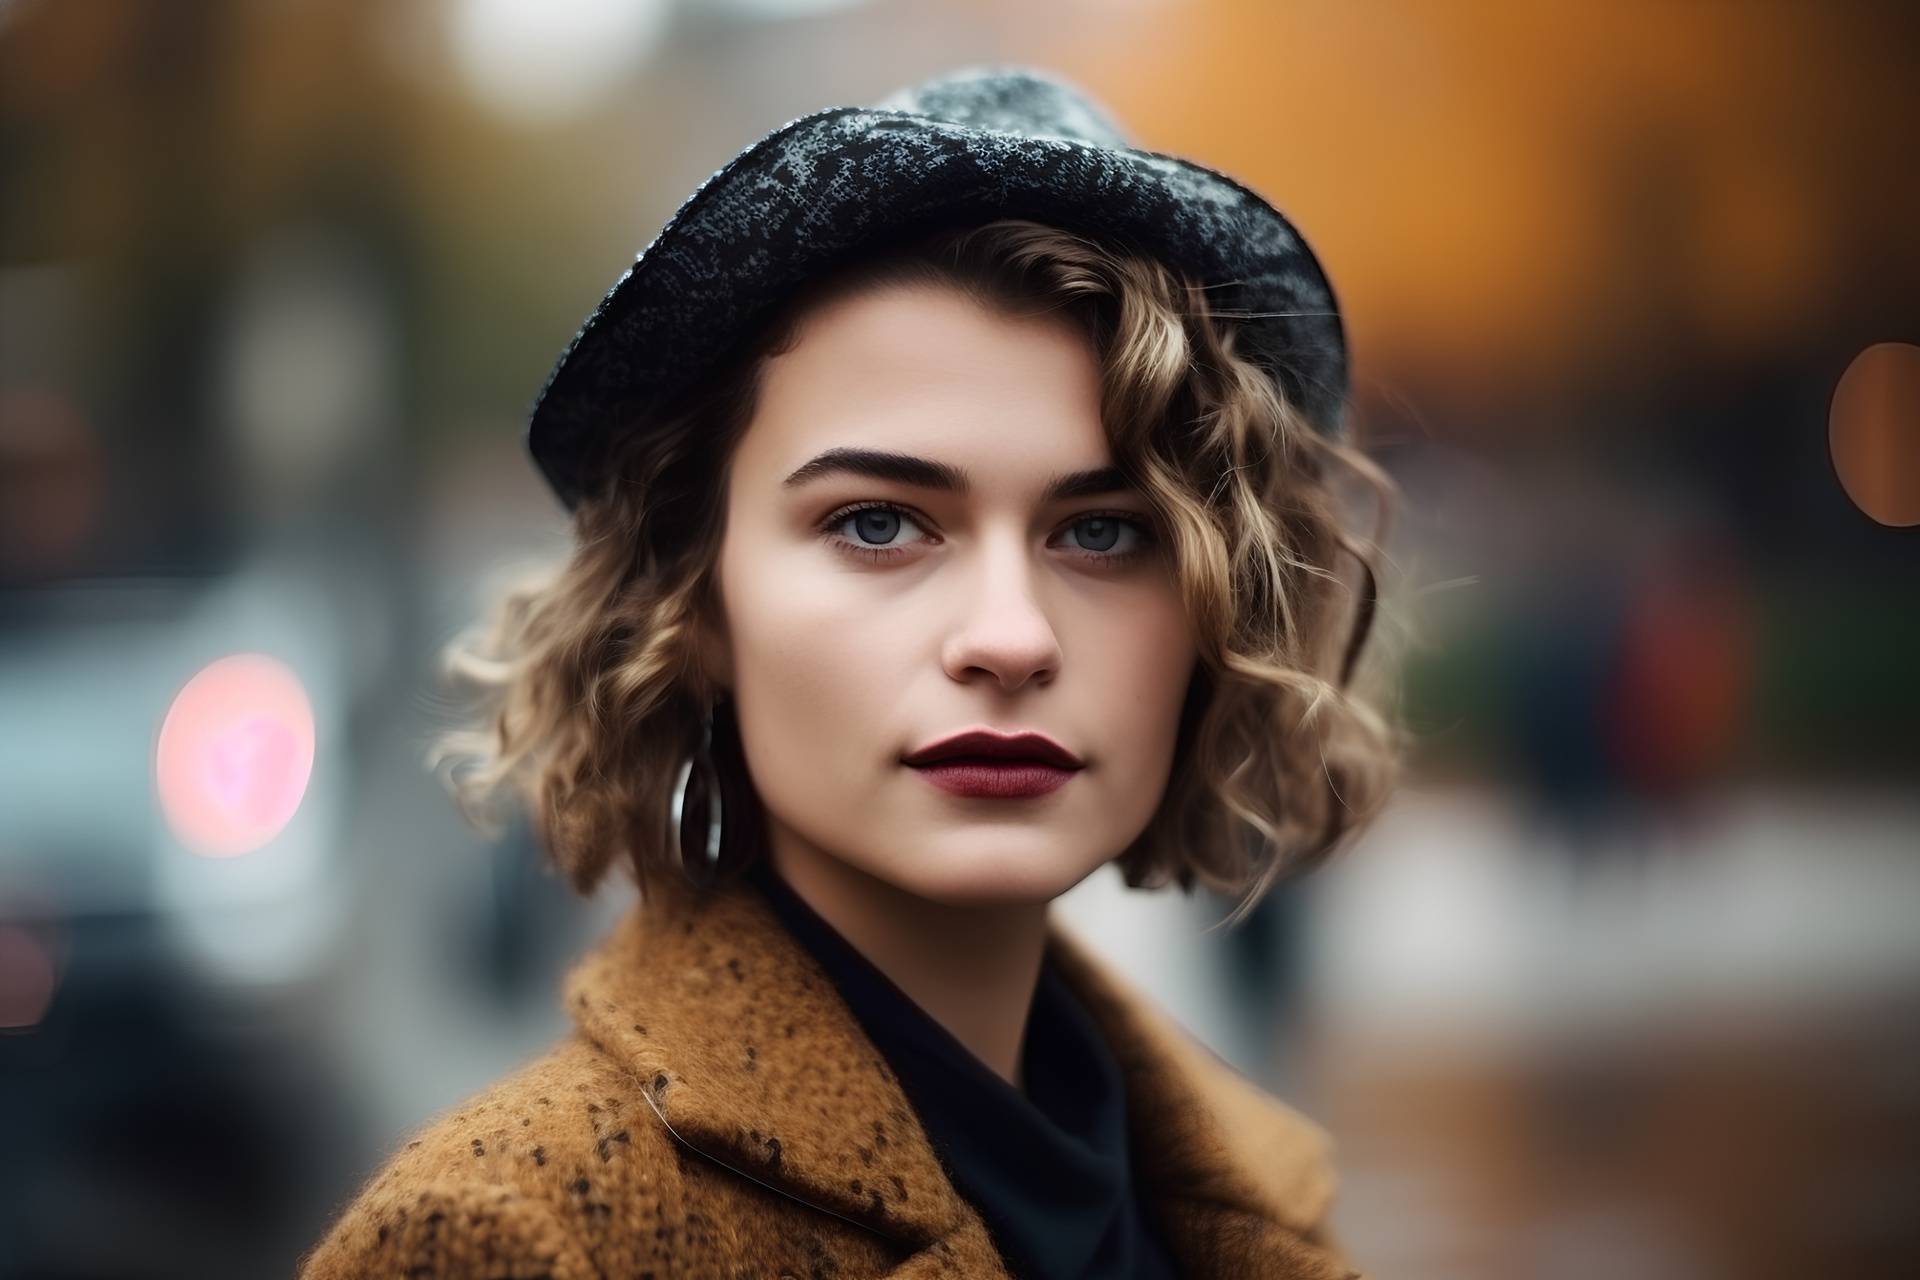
<point x="234" y="755"/>
<point x="26" y="978"/>
<point x="540" y="63"/>
<point x="1873" y="430"/>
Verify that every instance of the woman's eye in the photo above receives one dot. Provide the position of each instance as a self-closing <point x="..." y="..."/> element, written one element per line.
<point x="1101" y="534"/>
<point x="872" y="528"/>
<point x="874" y="531"/>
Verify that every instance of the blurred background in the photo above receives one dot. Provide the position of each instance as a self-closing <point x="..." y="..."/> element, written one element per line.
<point x="1626" y="981"/>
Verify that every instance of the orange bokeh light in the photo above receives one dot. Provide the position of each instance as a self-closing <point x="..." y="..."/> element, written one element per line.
<point x="1873" y="431"/>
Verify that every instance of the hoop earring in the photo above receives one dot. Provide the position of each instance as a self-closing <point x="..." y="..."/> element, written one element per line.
<point x="709" y="862"/>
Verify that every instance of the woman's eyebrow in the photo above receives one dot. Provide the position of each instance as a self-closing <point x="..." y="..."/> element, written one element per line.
<point x="927" y="473"/>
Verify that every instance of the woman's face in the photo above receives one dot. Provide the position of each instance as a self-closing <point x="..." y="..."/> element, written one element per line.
<point x="854" y="637"/>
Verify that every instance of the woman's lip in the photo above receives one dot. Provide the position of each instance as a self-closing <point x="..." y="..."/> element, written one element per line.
<point x="1005" y="780"/>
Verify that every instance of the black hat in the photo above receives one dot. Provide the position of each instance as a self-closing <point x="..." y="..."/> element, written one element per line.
<point x="973" y="144"/>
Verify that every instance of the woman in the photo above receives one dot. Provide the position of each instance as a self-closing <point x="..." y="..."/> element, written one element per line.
<point x="930" y="555"/>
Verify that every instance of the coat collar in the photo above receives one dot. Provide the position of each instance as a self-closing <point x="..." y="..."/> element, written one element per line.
<point x="745" y="1049"/>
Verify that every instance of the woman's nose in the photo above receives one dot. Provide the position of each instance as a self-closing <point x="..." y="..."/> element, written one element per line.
<point x="1001" y="625"/>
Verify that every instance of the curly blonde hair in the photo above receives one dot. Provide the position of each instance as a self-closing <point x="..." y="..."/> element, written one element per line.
<point x="592" y="695"/>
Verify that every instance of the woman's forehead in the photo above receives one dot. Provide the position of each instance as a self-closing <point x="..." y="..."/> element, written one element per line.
<point x="931" y="344"/>
<point x="937" y="377"/>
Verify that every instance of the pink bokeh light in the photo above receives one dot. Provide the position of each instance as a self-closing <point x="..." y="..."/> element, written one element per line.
<point x="234" y="754"/>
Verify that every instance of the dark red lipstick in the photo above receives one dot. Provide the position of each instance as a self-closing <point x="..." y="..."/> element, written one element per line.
<point x="981" y="762"/>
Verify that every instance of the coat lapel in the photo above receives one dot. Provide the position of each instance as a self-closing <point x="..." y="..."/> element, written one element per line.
<point x="1237" y="1176"/>
<point x="747" y="1052"/>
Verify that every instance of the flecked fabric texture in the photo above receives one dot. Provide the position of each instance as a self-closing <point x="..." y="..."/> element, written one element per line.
<point x="971" y="145"/>
<point x="717" y="1111"/>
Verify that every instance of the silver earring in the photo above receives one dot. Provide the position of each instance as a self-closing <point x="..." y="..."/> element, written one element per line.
<point x="710" y="783"/>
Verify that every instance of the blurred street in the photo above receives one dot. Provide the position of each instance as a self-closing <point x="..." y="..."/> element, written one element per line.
<point x="1539" y="1067"/>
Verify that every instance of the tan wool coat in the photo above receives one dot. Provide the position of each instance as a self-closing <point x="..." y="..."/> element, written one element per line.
<point x="717" y="1111"/>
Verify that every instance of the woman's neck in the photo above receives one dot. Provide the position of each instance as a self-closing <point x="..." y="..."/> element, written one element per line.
<point x="974" y="969"/>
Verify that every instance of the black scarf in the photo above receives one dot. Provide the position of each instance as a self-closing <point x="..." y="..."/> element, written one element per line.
<point x="1047" y="1169"/>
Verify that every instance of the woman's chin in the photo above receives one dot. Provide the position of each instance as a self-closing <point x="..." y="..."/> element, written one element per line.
<point x="988" y="877"/>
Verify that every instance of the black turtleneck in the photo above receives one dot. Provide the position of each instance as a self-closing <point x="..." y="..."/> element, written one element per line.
<point x="1049" y="1168"/>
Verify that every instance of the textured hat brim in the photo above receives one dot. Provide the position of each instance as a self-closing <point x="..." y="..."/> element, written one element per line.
<point x="824" y="183"/>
